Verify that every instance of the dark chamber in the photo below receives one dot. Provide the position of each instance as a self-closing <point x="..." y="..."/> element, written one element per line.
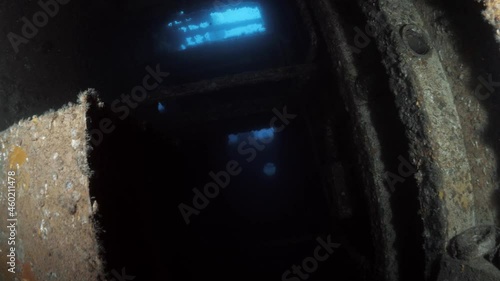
<point x="260" y="225"/>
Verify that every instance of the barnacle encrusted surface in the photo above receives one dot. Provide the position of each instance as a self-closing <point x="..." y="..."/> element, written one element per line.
<point x="47" y="158"/>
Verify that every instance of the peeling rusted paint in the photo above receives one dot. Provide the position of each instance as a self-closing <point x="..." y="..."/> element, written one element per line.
<point x="17" y="157"/>
<point x="27" y="273"/>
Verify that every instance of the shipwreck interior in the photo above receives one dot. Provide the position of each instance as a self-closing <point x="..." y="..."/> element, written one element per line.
<point x="261" y="224"/>
<point x="270" y="215"/>
<point x="268" y="128"/>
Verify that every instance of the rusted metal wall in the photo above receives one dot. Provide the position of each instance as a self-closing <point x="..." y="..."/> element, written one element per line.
<point x="44" y="198"/>
<point x="441" y="81"/>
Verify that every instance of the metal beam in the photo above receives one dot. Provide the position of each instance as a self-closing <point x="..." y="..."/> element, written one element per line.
<point x="296" y="72"/>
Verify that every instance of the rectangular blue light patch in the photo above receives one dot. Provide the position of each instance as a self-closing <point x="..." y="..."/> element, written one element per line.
<point x="236" y="15"/>
<point x="207" y="26"/>
<point x="263" y="134"/>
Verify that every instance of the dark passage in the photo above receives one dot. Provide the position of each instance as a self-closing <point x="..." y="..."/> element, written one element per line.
<point x="260" y="221"/>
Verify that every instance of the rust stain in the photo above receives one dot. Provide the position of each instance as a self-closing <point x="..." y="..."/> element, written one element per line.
<point x="441" y="195"/>
<point x="27" y="273"/>
<point x="17" y="157"/>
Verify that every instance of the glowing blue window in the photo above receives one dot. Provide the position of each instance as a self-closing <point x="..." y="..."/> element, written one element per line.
<point x="208" y="26"/>
<point x="264" y="134"/>
<point x="236" y="15"/>
<point x="244" y="30"/>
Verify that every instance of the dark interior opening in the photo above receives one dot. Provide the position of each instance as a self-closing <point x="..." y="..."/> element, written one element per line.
<point x="266" y="220"/>
<point x="270" y="217"/>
